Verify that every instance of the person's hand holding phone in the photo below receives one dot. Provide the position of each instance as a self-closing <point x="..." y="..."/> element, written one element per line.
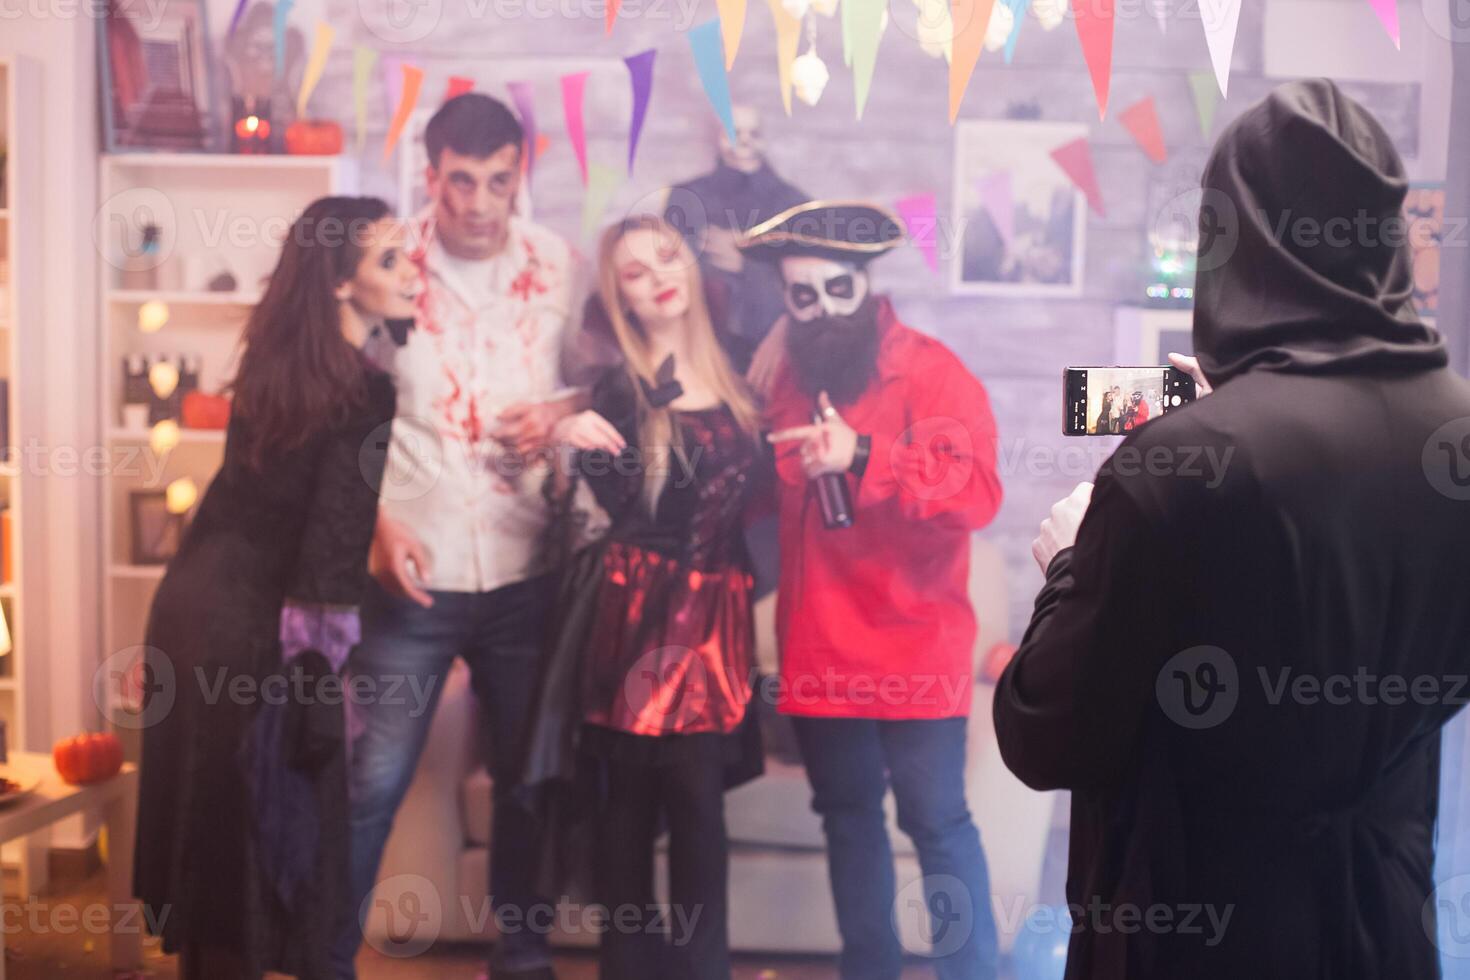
<point x="1060" y="529"/>
<point x="1190" y="366"/>
<point x="399" y="562"/>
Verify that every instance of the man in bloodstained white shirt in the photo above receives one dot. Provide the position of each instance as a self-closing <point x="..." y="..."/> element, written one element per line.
<point x="457" y="555"/>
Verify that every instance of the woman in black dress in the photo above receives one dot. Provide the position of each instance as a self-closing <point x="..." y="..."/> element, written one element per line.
<point x="241" y="823"/>
<point x="671" y="451"/>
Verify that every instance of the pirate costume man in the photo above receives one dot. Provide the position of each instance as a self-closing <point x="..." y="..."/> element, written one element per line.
<point x="874" y="620"/>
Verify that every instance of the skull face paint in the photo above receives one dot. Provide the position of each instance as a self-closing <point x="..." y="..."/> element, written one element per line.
<point x="816" y="287"/>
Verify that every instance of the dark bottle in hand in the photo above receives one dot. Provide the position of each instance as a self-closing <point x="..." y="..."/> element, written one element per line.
<point x="833" y="495"/>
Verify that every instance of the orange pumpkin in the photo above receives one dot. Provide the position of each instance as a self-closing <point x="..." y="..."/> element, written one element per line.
<point x="88" y="758"/>
<point x="313" y="138"/>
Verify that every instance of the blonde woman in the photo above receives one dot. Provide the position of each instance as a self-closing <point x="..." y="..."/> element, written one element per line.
<point x="671" y="450"/>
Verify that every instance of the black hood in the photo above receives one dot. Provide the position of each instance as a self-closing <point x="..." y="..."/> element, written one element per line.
<point x="1304" y="259"/>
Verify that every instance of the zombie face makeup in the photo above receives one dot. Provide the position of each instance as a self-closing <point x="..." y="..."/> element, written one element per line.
<point x="818" y="287"/>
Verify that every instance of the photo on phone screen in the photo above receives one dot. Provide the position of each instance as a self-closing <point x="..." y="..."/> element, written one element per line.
<point x="1113" y="401"/>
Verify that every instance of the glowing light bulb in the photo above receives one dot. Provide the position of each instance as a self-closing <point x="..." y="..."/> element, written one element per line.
<point x="181" y="495"/>
<point x="164" y="437"/>
<point x="163" y="377"/>
<point x="152" y="316"/>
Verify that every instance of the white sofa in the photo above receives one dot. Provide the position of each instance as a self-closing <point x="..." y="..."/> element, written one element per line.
<point x="780" y="899"/>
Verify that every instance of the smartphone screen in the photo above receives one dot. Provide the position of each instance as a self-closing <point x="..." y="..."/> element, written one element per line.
<point x="1113" y="401"/>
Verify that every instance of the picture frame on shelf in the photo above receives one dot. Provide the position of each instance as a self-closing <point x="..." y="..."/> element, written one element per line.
<point x="156" y="77"/>
<point x="1020" y="221"/>
<point x="156" y="531"/>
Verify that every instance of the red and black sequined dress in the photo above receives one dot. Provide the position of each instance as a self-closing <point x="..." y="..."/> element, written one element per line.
<point x="670" y="651"/>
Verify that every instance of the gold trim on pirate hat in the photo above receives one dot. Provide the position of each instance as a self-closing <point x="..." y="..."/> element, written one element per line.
<point x="847" y="231"/>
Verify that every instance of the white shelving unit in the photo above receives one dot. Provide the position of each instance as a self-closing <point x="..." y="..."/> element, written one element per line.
<point x="217" y="213"/>
<point x="18" y="311"/>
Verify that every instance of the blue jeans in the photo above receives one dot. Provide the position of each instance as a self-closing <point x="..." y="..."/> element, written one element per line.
<point x="409" y="649"/>
<point x="851" y="763"/>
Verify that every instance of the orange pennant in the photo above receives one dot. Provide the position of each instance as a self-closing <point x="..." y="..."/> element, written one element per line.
<point x="413" y="80"/>
<point x="971" y="18"/>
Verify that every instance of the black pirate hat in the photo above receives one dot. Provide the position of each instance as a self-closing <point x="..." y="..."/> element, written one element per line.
<point x="846" y="231"/>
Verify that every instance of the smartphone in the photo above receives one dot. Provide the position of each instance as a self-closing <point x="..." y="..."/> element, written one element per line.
<point x="1112" y="401"/>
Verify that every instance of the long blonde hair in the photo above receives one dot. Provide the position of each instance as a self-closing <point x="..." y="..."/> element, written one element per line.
<point x="658" y="436"/>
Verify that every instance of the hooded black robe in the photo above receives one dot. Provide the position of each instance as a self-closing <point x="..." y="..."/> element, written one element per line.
<point x="1211" y="668"/>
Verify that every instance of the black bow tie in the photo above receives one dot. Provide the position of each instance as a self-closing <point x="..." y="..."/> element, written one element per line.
<point x="665" y="389"/>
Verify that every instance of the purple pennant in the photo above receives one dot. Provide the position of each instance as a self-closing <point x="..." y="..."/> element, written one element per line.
<point x="521" y="95"/>
<point x="235" y="18"/>
<point x="640" y="68"/>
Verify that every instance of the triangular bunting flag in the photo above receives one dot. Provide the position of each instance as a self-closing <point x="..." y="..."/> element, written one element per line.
<point x="1018" y="17"/>
<point x="1095" y="30"/>
<point x="612" y="13"/>
<point x="363" y="60"/>
<point x="1206" y="99"/>
<point x="1221" y="18"/>
<point x="319" y="51"/>
<point x="1160" y="11"/>
<point x="788" y="36"/>
<point x="1142" y="120"/>
<point x="709" y="60"/>
<point x="867" y="30"/>
<point x="572" y="89"/>
<point x="918" y="215"/>
<point x="997" y="199"/>
<point x="971" y="18"/>
<point x="413" y="80"/>
<point x="640" y="69"/>
<point x="602" y="184"/>
<point x="458" y="85"/>
<point x="732" y="26"/>
<point x="1388" y="15"/>
<point x="1075" y="159"/>
<point x="278" y="28"/>
<point x="525" y="102"/>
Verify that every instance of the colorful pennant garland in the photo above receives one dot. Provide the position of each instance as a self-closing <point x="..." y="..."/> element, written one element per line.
<point x="319" y="51"/>
<point x="709" y="60"/>
<point x="918" y="214"/>
<point x="1095" y="30"/>
<point x="412" y="80"/>
<point x="573" y="88"/>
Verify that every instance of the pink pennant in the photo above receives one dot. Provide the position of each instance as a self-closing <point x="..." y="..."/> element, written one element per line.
<point x="997" y="199"/>
<point x="919" y="217"/>
<point x="1142" y="120"/>
<point x="1388" y="13"/>
<point x="1095" y="31"/>
<point x="525" y="103"/>
<point x="573" y="87"/>
<point x="458" y="85"/>
<point x="1075" y="159"/>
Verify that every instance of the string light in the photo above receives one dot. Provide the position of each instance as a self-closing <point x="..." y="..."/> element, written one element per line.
<point x="152" y="316"/>
<point x="181" y="495"/>
<point x="163" y="377"/>
<point x="164" y="437"/>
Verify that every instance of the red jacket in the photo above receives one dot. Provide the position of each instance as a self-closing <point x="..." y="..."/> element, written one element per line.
<point x="874" y="620"/>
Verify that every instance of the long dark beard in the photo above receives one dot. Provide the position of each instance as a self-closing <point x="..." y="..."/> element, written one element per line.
<point x="836" y="354"/>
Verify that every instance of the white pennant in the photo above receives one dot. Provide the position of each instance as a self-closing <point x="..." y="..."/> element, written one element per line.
<point x="1220" y="17"/>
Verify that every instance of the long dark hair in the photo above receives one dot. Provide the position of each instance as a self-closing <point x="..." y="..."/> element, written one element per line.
<point x="298" y="375"/>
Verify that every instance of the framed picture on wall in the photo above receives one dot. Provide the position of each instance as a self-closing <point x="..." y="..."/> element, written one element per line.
<point x="1019" y="221"/>
<point x="1424" y="208"/>
<point x="155" y="76"/>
